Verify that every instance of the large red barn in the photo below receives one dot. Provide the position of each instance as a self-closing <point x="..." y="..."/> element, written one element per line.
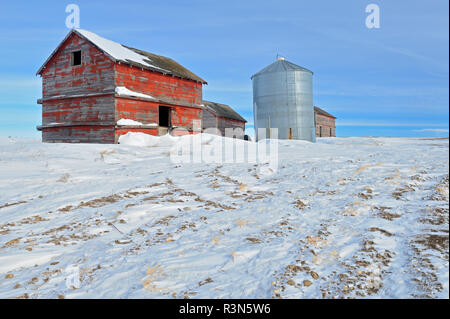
<point x="94" y="90"/>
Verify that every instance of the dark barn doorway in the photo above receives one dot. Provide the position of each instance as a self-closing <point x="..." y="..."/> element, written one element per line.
<point x="164" y="116"/>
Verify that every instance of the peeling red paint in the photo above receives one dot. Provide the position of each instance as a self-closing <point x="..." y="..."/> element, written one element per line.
<point x="141" y="111"/>
<point x="79" y="134"/>
<point x="159" y="85"/>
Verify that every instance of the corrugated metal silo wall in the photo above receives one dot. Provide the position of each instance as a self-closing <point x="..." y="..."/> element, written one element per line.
<point x="285" y="100"/>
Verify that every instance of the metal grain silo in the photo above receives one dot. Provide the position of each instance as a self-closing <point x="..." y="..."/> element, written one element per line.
<point x="283" y="99"/>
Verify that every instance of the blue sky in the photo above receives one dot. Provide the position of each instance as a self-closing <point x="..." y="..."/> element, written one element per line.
<point x="391" y="81"/>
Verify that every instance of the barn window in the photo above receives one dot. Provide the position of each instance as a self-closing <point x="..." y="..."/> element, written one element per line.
<point x="76" y="58"/>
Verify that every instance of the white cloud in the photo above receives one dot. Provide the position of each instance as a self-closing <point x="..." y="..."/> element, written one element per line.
<point x="350" y="89"/>
<point x="384" y="124"/>
<point x="434" y="130"/>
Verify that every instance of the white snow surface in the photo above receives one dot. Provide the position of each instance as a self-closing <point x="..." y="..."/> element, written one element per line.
<point x="342" y="218"/>
<point x="116" y="50"/>
<point x="121" y="90"/>
<point x="128" y="122"/>
<point x="138" y="139"/>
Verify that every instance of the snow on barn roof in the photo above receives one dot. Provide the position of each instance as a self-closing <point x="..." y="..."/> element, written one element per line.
<point x="223" y="110"/>
<point x="117" y="51"/>
<point x="125" y="54"/>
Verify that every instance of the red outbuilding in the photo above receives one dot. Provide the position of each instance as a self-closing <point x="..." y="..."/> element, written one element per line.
<point x="325" y="123"/>
<point x="94" y="90"/>
<point x="222" y="116"/>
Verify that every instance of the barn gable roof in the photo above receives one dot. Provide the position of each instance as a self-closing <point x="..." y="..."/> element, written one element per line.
<point x="318" y="110"/>
<point x="223" y="110"/>
<point x="121" y="53"/>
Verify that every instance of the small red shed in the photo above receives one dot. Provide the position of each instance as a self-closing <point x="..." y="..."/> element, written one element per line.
<point x="94" y="90"/>
<point x="325" y="123"/>
<point x="221" y="117"/>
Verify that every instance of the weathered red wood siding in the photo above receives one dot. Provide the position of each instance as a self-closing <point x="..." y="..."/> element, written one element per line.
<point x="184" y="116"/>
<point x="79" y="134"/>
<point x="79" y="110"/>
<point x="224" y="123"/>
<point x="147" y="112"/>
<point x="325" y="126"/>
<point x="79" y="103"/>
<point x="61" y="82"/>
<point x="211" y="120"/>
<point x="182" y="96"/>
<point x="94" y="75"/>
<point x="168" y="88"/>
<point x="142" y="111"/>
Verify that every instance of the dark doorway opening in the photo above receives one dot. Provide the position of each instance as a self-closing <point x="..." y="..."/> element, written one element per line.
<point x="164" y="116"/>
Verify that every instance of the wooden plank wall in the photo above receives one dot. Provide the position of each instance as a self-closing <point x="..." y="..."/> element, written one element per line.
<point x="147" y="112"/>
<point x="78" y="110"/>
<point x="65" y="100"/>
<point x="223" y="123"/>
<point x="168" y="88"/>
<point x="184" y="116"/>
<point x="94" y="75"/>
<point x="142" y="111"/>
<point x="326" y="123"/>
<point x="209" y="120"/>
<point x="79" y="134"/>
<point x="61" y="81"/>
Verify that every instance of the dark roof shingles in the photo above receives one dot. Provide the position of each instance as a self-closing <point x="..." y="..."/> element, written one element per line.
<point x="323" y="112"/>
<point x="223" y="110"/>
<point x="168" y="64"/>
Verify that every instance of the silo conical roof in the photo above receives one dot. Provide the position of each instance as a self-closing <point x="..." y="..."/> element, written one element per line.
<point x="281" y="65"/>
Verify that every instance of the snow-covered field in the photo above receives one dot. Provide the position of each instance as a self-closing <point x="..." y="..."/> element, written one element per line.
<point x="341" y="218"/>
